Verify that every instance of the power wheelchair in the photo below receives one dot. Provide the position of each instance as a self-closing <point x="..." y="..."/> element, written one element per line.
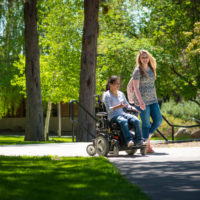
<point x="109" y="137"/>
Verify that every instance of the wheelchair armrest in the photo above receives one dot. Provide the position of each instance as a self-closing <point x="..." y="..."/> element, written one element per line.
<point x="101" y="114"/>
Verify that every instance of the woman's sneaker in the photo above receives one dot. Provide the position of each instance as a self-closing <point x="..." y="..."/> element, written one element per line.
<point x="130" y="143"/>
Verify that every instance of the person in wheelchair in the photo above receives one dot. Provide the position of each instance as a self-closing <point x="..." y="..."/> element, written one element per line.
<point x="115" y="102"/>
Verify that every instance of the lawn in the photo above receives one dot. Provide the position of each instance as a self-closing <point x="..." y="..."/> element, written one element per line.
<point x="16" y="140"/>
<point x="57" y="178"/>
<point x="12" y="140"/>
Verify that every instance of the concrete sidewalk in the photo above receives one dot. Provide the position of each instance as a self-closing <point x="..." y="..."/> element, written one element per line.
<point x="55" y="149"/>
<point x="168" y="174"/>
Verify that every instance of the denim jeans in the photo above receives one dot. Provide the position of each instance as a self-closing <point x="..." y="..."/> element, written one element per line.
<point x="153" y="111"/>
<point x="125" y="119"/>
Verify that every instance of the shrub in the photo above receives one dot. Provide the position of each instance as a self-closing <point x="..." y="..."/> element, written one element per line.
<point x="185" y="110"/>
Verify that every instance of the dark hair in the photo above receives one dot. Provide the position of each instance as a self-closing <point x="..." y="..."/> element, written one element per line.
<point x="111" y="80"/>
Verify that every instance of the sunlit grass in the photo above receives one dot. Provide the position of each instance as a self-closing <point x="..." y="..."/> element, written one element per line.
<point x="12" y="140"/>
<point x="64" y="178"/>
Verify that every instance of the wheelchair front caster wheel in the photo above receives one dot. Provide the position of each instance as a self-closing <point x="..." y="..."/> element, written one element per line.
<point x="102" y="146"/>
<point x="91" y="150"/>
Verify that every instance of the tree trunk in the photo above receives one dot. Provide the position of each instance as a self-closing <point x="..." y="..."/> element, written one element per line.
<point x="48" y="115"/>
<point x="34" y="110"/>
<point x="8" y="30"/>
<point x="59" y="120"/>
<point x="88" y="70"/>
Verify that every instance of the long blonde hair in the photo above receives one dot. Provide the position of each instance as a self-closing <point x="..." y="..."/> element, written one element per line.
<point x="152" y="63"/>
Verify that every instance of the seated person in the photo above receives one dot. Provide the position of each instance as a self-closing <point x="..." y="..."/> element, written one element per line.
<point x="115" y="101"/>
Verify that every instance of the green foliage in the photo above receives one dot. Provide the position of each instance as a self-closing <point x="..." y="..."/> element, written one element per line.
<point x="60" y="33"/>
<point x="166" y="130"/>
<point x="193" y="48"/>
<point x="19" y="78"/>
<point x="61" y="48"/>
<point x="114" y="16"/>
<point x="118" y="44"/>
<point x="167" y="29"/>
<point x="192" y="58"/>
<point x="115" y="57"/>
<point x="53" y="177"/>
<point x="184" y="110"/>
<point x="11" y="44"/>
<point x="168" y="24"/>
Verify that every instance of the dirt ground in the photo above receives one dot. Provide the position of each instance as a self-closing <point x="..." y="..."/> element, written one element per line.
<point x="179" y="144"/>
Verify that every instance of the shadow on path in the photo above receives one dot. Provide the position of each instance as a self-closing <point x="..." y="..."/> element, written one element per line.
<point x="172" y="180"/>
<point x="137" y="155"/>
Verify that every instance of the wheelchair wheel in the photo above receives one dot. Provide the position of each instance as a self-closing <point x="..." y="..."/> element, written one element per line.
<point x="102" y="146"/>
<point x="143" y="151"/>
<point x="131" y="152"/>
<point x="91" y="150"/>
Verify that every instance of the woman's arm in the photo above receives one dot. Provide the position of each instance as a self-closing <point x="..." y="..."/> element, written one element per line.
<point x="130" y="91"/>
<point x="128" y="106"/>
<point x="136" y="84"/>
<point x="109" y="106"/>
<point x="121" y="105"/>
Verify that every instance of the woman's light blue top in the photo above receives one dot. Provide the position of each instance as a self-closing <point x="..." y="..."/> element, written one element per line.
<point x="111" y="101"/>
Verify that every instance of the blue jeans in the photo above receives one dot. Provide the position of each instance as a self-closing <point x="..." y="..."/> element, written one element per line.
<point x="125" y="119"/>
<point x="153" y="111"/>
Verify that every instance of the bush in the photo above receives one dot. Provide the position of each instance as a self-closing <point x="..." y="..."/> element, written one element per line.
<point x="185" y="110"/>
<point x="166" y="130"/>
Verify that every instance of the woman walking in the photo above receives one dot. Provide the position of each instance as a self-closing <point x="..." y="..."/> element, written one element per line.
<point x="142" y="92"/>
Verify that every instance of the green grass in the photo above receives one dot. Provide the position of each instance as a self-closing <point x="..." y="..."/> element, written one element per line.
<point x="12" y="140"/>
<point x="57" y="178"/>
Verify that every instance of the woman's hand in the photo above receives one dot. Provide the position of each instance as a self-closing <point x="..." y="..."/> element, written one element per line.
<point x="142" y="105"/>
<point x="122" y="105"/>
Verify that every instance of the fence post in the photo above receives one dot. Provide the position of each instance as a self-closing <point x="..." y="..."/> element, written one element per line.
<point x="72" y="121"/>
<point x="172" y="133"/>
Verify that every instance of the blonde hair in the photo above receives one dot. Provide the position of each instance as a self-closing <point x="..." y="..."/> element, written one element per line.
<point x="152" y="63"/>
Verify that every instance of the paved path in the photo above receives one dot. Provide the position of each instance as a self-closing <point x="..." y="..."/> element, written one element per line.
<point x="55" y="149"/>
<point x="168" y="174"/>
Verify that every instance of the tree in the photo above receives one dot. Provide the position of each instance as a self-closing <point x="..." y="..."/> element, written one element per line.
<point x="119" y="43"/>
<point x="34" y="109"/>
<point x="166" y="22"/>
<point x="60" y="28"/>
<point x="60" y="32"/>
<point x="116" y="55"/>
<point x="11" y="44"/>
<point x="61" y="50"/>
<point x="88" y="69"/>
<point x="192" y="57"/>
